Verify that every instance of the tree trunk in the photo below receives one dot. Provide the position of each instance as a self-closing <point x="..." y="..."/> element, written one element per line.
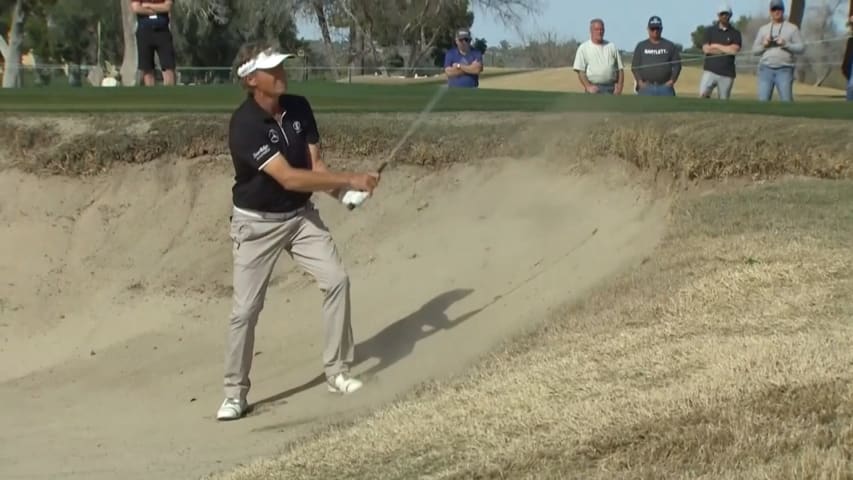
<point x="129" y="62"/>
<point x="4" y="48"/>
<point x="11" y="74"/>
<point x="320" y="12"/>
<point x="798" y="9"/>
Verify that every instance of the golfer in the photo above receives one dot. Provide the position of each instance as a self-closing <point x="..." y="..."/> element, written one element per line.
<point x="273" y="138"/>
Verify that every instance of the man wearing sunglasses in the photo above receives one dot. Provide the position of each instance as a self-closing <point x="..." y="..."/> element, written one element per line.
<point x="722" y="42"/>
<point x="462" y="63"/>
<point x="656" y="64"/>
<point x="777" y="43"/>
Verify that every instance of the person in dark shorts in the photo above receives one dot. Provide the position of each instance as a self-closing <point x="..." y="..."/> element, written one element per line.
<point x="721" y="43"/>
<point x="656" y="64"/>
<point x="153" y="35"/>
<point x="274" y="143"/>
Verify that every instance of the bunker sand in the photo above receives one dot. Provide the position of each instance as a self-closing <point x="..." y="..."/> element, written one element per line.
<point x="116" y="294"/>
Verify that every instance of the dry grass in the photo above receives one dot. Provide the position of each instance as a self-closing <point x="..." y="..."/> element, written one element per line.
<point x="725" y="356"/>
<point x="729" y="146"/>
<point x="707" y="146"/>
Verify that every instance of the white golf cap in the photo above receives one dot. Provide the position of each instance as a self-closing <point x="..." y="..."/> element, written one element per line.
<point x="263" y="60"/>
<point x="725" y="7"/>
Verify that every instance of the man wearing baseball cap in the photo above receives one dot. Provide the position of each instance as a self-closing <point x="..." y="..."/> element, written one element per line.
<point x="777" y="43"/>
<point x="656" y="64"/>
<point x="274" y="143"/>
<point x="462" y="63"/>
<point x="722" y="42"/>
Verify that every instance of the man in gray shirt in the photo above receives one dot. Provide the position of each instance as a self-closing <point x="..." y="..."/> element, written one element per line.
<point x="777" y="43"/>
<point x="656" y="64"/>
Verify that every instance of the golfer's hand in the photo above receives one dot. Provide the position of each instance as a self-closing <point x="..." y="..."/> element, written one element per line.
<point x="364" y="182"/>
<point x="591" y="89"/>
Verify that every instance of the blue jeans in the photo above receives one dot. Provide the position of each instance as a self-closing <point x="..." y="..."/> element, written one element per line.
<point x="661" y="90"/>
<point x="782" y="78"/>
<point x="850" y="84"/>
<point x="605" y="88"/>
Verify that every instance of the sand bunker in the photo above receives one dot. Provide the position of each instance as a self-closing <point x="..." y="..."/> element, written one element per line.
<point x="116" y="291"/>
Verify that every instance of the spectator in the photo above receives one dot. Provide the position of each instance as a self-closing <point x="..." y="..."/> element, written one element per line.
<point x="847" y="66"/>
<point x="657" y="63"/>
<point x="463" y="64"/>
<point x="154" y="35"/>
<point x="722" y="42"/>
<point x="598" y="62"/>
<point x="777" y="42"/>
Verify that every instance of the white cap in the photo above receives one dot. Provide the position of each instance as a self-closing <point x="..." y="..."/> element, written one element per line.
<point x="724" y="7"/>
<point x="266" y="59"/>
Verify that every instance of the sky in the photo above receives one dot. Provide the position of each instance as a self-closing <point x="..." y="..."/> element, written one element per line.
<point x="625" y="20"/>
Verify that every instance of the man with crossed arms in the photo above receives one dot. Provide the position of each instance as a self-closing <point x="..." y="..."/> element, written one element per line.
<point x="722" y="42"/>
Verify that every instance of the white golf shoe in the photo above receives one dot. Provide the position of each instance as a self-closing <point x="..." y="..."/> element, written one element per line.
<point x="343" y="383"/>
<point x="231" y="409"/>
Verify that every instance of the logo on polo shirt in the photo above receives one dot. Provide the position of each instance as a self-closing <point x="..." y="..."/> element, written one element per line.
<point x="261" y="152"/>
<point x="274" y="138"/>
<point x="297" y="125"/>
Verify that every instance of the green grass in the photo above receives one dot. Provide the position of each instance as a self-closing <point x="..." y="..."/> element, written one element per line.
<point x="332" y="97"/>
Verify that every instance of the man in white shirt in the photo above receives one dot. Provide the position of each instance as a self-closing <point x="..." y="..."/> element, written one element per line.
<point x="598" y="62"/>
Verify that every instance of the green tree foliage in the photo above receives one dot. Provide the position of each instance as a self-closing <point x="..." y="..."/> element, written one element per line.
<point x="212" y="36"/>
<point x="67" y="32"/>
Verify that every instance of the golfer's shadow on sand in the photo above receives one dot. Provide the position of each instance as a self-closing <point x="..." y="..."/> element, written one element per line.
<point x="394" y="342"/>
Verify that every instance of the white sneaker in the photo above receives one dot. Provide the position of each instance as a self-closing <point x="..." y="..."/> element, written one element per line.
<point x="343" y="383"/>
<point x="231" y="409"/>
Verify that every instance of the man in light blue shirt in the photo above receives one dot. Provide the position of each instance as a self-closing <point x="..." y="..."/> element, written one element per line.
<point x="462" y="63"/>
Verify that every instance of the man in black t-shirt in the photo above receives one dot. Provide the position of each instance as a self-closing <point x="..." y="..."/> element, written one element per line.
<point x="722" y="42"/>
<point x="656" y="64"/>
<point x="274" y="144"/>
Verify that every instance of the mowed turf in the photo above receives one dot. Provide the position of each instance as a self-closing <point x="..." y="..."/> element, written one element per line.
<point x="332" y="97"/>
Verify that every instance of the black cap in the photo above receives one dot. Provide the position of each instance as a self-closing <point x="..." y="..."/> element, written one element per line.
<point x="463" y="33"/>
<point x="655" y="22"/>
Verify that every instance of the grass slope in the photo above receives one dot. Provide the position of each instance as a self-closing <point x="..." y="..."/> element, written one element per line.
<point x="331" y="97"/>
<point x="726" y="355"/>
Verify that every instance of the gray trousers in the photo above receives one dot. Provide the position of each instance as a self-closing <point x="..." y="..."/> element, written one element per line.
<point x="723" y="84"/>
<point x="256" y="246"/>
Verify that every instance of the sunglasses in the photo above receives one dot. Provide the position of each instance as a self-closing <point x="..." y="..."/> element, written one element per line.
<point x="466" y="40"/>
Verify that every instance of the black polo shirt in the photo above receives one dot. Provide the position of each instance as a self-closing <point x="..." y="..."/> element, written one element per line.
<point x="722" y="64"/>
<point x="255" y="137"/>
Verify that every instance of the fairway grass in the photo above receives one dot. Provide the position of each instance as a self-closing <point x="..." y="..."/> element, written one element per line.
<point x="725" y="355"/>
<point x="331" y="97"/>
